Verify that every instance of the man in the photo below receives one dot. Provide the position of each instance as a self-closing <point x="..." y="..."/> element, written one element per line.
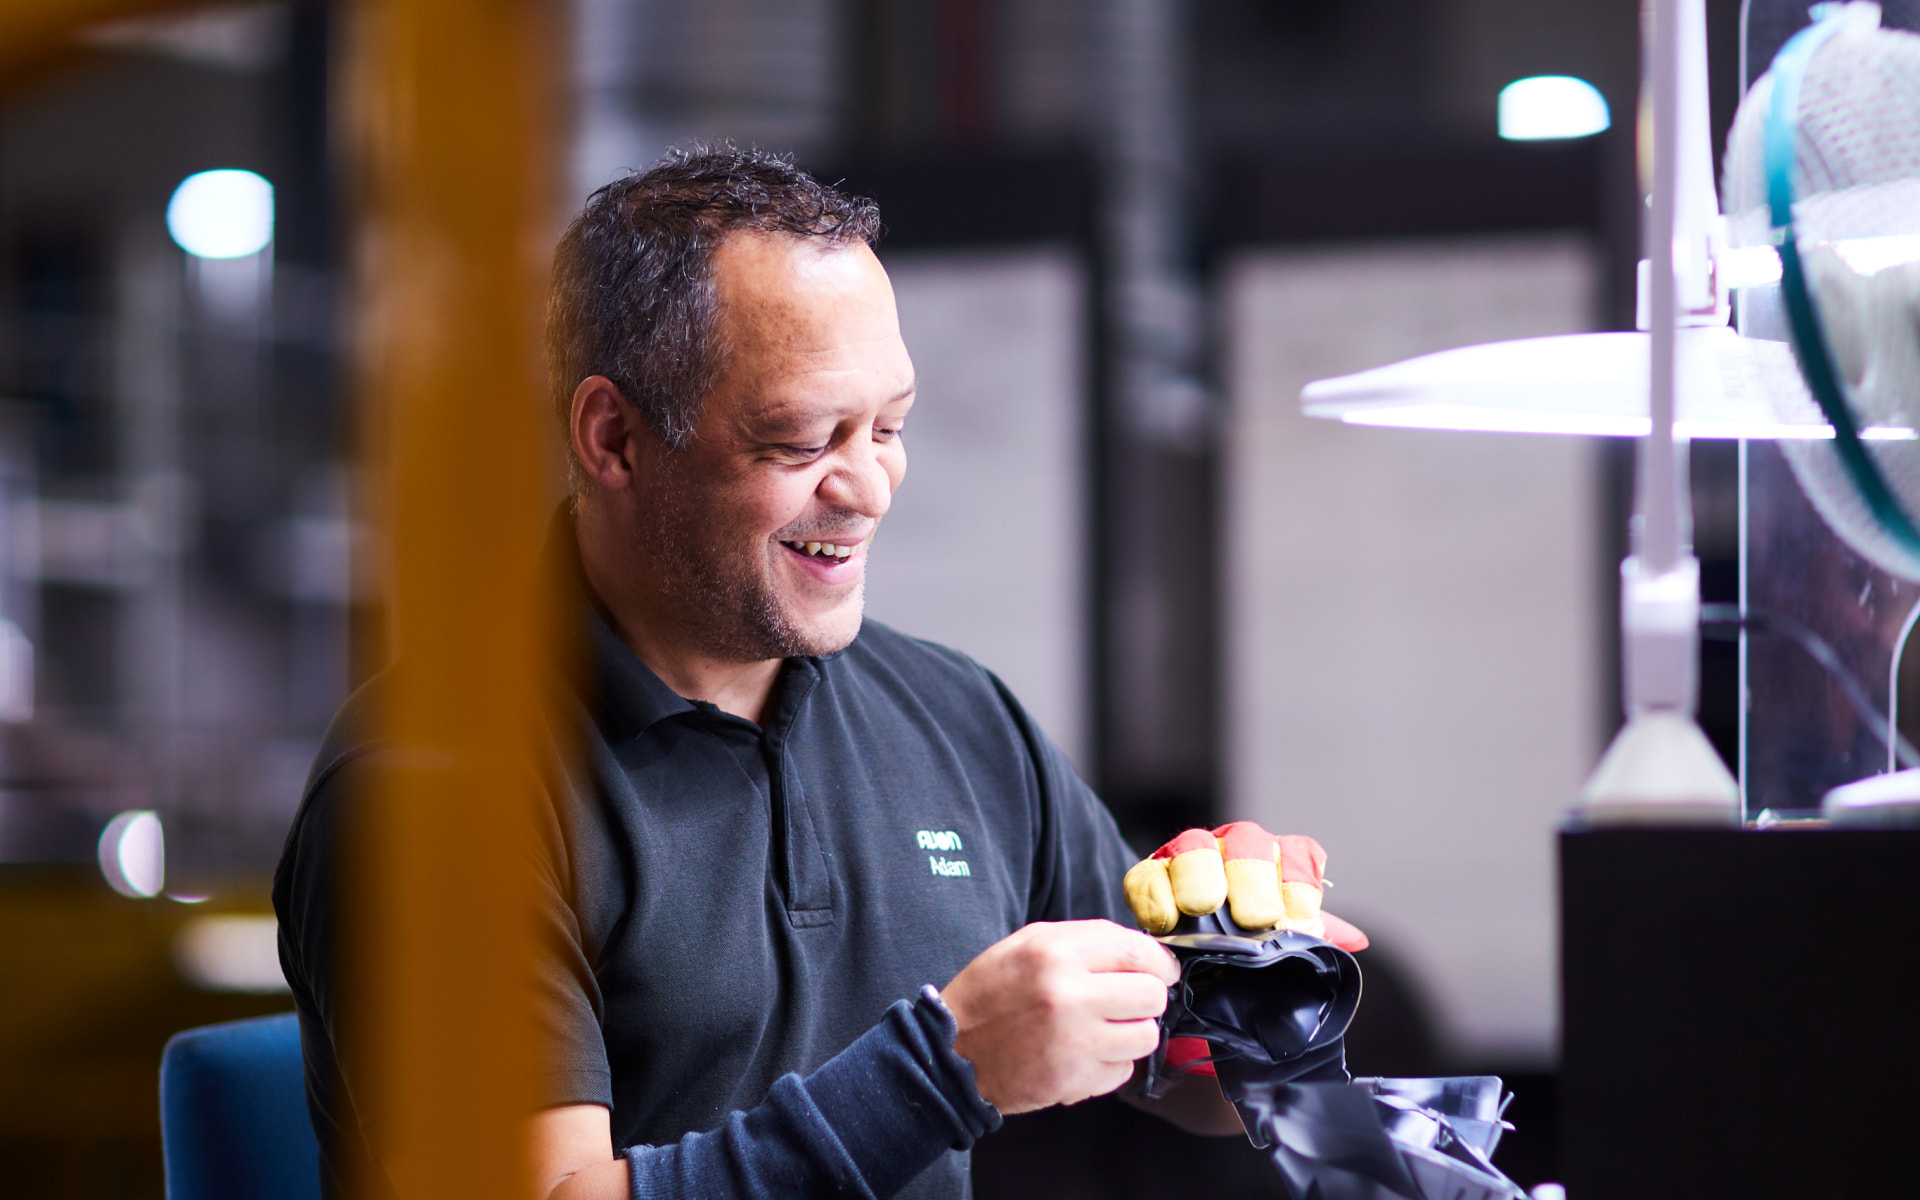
<point x="783" y="829"/>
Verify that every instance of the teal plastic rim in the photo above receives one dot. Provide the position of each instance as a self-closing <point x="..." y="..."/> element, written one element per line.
<point x="1810" y="345"/>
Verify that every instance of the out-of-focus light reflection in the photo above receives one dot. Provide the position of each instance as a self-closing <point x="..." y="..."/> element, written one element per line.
<point x="230" y="954"/>
<point x="1749" y="266"/>
<point x="16" y="674"/>
<point x="133" y="854"/>
<point x="1545" y="107"/>
<point x="1870" y="256"/>
<point x="1759" y="266"/>
<point x="221" y="214"/>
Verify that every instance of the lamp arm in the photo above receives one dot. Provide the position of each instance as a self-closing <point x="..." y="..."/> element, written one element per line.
<point x="1660" y="583"/>
<point x="1660" y="767"/>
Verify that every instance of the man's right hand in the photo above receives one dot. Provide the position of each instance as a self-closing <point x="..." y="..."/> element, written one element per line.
<point x="1057" y="1012"/>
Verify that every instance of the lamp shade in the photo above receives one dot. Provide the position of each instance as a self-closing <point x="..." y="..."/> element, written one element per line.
<point x="1587" y="383"/>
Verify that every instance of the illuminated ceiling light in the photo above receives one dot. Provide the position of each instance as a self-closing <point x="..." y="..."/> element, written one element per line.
<point x="221" y="214"/>
<point x="133" y="854"/>
<point x="1545" y="107"/>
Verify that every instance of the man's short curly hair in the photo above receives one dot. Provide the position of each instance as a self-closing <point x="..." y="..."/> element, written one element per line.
<point x="632" y="296"/>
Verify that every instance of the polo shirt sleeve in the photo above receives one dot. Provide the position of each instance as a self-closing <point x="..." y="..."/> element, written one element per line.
<point x="1080" y="857"/>
<point x="319" y="866"/>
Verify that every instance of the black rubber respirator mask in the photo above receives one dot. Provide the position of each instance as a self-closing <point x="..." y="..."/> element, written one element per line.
<point x="1273" y="1009"/>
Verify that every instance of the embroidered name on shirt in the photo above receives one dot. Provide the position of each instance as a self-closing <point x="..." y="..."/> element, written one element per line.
<point x="943" y="839"/>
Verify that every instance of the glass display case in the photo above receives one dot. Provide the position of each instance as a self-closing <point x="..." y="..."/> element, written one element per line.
<point x="1803" y="588"/>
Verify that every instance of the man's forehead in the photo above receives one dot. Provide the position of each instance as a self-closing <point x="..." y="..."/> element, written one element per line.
<point x="753" y="270"/>
<point x="807" y="328"/>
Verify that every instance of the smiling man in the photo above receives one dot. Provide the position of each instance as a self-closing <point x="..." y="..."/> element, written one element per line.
<point x="825" y="902"/>
<point x="720" y="554"/>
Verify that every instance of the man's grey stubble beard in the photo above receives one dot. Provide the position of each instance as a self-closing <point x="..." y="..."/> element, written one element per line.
<point x="736" y="617"/>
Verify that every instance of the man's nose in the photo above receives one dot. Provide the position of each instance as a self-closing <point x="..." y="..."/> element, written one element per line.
<point x="859" y="482"/>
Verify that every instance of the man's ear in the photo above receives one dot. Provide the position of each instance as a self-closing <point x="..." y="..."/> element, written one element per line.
<point x="604" y="428"/>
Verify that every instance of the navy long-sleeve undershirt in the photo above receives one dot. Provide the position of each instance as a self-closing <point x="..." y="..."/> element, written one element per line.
<point x="864" y="1124"/>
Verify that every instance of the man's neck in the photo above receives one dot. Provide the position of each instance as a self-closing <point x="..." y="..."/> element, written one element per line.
<point x="740" y="688"/>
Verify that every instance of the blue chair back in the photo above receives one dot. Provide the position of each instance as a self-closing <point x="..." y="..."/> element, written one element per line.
<point x="233" y="1113"/>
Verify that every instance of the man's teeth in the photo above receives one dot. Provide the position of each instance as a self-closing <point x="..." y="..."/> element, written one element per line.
<point x="821" y="549"/>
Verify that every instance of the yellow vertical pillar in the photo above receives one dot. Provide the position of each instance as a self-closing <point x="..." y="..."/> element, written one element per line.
<point x="452" y="129"/>
<point x="453" y="123"/>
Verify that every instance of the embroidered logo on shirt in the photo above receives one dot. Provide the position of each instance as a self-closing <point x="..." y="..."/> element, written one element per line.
<point x="942" y="839"/>
<point x="938" y="839"/>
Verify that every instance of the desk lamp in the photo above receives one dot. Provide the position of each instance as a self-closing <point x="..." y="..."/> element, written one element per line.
<point x="1660" y="767"/>
<point x="1840" y="392"/>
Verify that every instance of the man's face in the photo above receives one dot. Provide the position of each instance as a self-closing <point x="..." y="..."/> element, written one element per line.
<point x="757" y="534"/>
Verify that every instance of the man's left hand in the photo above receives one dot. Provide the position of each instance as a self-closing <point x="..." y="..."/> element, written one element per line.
<point x="1267" y="881"/>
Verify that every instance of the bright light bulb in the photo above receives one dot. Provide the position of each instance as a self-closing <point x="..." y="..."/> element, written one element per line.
<point x="221" y="214"/>
<point x="133" y="854"/>
<point x="1545" y="107"/>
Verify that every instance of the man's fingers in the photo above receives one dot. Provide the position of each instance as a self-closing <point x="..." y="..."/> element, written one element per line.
<point x="1150" y="896"/>
<point x="1126" y="1041"/>
<point x="1264" y="881"/>
<point x="1253" y="894"/>
<point x="1136" y="952"/>
<point x="1199" y="882"/>
<point x="1342" y="934"/>
<point x="1108" y="947"/>
<point x="1253" y="885"/>
<point x="1302" y="902"/>
<point x="1302" y="860"/>
<point x="1115" y="1042"/>
<point x="1127" y="996"/>
<point x="1058" y="1011"/>
<point x="1245" y="839"/>
<point x="1195" y="871"/>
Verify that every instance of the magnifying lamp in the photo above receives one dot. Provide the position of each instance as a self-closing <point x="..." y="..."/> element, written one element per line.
<point x="1686" y="376"/>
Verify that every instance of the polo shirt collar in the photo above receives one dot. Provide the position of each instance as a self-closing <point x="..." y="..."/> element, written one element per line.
<point x="628" y="697"/>
<point x="624" y="695"/>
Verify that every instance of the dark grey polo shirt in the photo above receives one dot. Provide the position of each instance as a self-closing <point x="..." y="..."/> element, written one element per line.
<point x="737" y="901"/>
